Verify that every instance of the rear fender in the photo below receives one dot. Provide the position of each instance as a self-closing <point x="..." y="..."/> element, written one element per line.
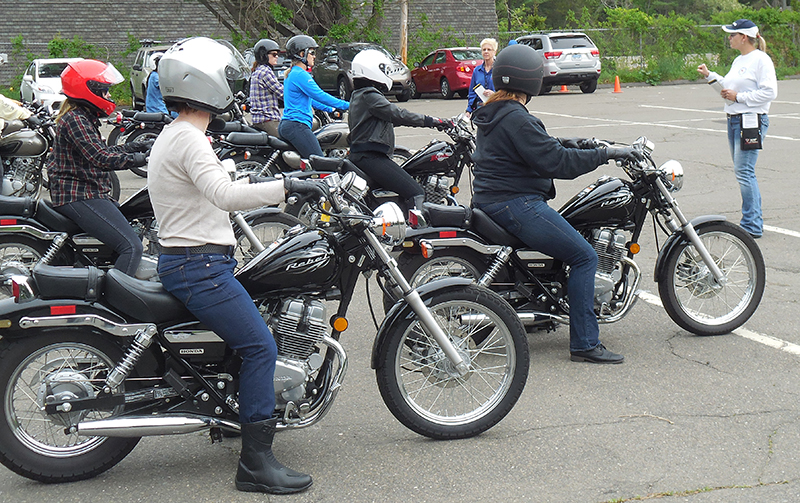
<point x="401" y="310"/>
<point x="679" y="238"/>
<point x="11" y="313"/>
<point x="12" y="224"/>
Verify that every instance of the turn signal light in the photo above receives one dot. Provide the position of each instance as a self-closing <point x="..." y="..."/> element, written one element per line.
<point x="454" y="190"/>
<point x="426" y="249"/>
<point x="246" y="155"/>
<point x="340" y="324"/>
<point x="634" y="248"/>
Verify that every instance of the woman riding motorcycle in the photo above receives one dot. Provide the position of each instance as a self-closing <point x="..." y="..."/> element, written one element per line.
<point x="192" y="195"/>
<point x="515" y="164"/>
<point x="372" y="119"/>
<point x="79" y="168"/>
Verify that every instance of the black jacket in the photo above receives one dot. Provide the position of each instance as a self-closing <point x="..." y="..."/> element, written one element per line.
<point x="514" y="155"/>
<point x="372" y="119"/>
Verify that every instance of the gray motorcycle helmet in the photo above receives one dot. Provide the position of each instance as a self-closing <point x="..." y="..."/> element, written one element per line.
<point x="201" y="73"/>
<point x="262" y="48"/>
<point x="298" y="44"/>
<point x="518" y="68"/>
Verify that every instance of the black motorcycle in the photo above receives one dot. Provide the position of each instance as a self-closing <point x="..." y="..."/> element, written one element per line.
<point x="710" y="272"/>
<point x="132" y="126"/>
<point x="85" y="378"/>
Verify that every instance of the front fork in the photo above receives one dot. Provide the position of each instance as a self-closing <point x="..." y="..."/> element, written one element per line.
<point x="415" y="301"/>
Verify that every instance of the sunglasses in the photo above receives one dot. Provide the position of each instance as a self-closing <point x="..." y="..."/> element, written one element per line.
<point x="274" y="53"/>
<point x="311" y="52"/>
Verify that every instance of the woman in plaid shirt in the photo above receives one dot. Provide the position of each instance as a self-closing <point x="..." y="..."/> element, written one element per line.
<point x="79" y="169"/>
<point x="265" y="90"/>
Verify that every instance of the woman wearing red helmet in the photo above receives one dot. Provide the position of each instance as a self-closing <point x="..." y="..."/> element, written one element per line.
<point x="79" y="169"/>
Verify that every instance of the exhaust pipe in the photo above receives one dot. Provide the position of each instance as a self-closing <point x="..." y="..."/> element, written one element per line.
<point x="527" y="318"/>
<point x="144" y="426"/>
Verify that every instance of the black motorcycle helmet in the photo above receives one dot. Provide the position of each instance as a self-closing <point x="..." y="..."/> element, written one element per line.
<point x="518" y="68"/>
<point x="298" y="44"/>
<point x="262" y="48"/>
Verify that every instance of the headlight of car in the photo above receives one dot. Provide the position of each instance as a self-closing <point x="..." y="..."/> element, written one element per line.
<point x="46" y="89"/>
<point x="673" y="175"/>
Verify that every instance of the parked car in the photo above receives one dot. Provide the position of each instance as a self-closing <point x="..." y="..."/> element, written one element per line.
<point x="42" y="81"/>
<point x="142" y="66"/>
<point x="333" y="74"/>
<point x="569" y="58"/>
<point x="445" y="71"/>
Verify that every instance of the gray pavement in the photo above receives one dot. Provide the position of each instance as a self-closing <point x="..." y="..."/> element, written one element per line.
<point x="685" y="418"/>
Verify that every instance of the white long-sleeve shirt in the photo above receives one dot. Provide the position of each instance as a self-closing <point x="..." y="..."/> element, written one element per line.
<point x="752" y="76"/>
<point x="192" y="193"/>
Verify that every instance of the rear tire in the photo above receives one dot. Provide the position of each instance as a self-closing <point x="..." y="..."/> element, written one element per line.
<point x="589" y="86"/>
<point x="445" y="90"/>
<point x="343" y="89"/>
<point x="138" y="136"/>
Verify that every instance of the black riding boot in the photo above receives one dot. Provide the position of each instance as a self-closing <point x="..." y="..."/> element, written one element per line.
<point x="259" y="471"/>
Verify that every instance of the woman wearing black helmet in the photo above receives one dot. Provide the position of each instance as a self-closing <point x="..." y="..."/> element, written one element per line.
<point x="265" y="90"/>
<point x="515" y="164"/>
<point x="300" y="95"/>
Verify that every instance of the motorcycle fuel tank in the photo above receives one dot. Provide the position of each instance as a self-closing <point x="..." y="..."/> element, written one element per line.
<point x="437" y="157"/>
<point x="607" y="202"/>
<point x="333" y="135"/>
<point x="23" y="144"/>
<point x="301" y="262"/>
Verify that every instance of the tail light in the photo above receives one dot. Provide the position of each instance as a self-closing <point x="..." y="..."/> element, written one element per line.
<point x="305" y="165"/>
<point x="463" y="68"/>
<point x="118" y="118"/>
<point x="8" y="221"/>
<point x="22" y="288"/>
<point x="553" y="54"/>
<point x="595" y="53"/>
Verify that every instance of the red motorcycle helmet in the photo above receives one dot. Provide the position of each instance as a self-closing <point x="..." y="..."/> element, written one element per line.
<point x="87" y="81"/>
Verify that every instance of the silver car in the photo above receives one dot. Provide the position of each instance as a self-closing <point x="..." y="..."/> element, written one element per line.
<point x="569" y="58"/>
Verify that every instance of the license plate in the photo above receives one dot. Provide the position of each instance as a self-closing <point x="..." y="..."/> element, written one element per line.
<point x="576" y="57"/>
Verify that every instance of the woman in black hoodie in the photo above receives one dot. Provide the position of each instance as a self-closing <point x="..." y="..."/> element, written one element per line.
<point x="515" y="164"/>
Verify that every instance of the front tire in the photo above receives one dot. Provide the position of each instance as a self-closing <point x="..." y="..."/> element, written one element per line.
<point x="268" y="228"/>
<point x="343" y="89"/>
<point x="419" y="385"/>
<point x="35" y="444"/>
<point x="445" y="90"/>
<point x="139" y="136"/>
<point x="414" y="91"/>
<point x="692" y="297"/>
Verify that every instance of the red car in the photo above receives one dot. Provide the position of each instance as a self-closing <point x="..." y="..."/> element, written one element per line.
<point x="445" y="71"/>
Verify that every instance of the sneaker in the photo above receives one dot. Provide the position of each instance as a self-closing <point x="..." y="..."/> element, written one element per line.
<point x="596" y="355"/>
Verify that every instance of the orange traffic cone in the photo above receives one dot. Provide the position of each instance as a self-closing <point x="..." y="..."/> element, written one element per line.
<point x="563" y="89"/>
<point x="616" y="85"/>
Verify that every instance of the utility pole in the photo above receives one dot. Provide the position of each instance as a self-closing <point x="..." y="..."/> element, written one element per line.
<point x="404" y="31"/>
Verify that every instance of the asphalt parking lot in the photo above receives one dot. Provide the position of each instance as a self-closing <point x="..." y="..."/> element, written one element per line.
<point x="685" y="418"/>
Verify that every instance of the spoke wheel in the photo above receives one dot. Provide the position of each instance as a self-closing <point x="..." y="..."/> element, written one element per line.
<point x="419" y="384"/>
<point x="691" y="295"/>
<point x="18" y="255"/>
<point x="139" y="136"/>
<point x="267" y="228"/>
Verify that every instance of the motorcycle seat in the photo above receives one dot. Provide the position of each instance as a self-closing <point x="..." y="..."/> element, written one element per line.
<point x="483" y="225"/>
<point x="129" y="113"/>
<point x="150" y="117"/>
<point x="17" y="206"/>
<point x="65" y="282"/>
<point x="337" y="165"/>
<point x="52" y="219"/>
<point x="444" y="215"/>
<point x="249" y="139"/>
<point x="145" y="301"/>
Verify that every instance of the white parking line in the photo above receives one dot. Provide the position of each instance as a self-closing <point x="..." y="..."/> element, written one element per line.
<point x="787" y="232"/>
<point x="767" y="340"/>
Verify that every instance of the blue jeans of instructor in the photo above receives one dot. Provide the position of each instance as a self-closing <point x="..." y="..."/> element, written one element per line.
<point x="205" y="284"/>
<point x="744" y="167"/>
<point x="542" y="228"/>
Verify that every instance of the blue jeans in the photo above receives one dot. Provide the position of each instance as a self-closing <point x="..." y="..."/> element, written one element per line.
<point x="301" y="137"/>
<point x="744" y="167"/>
<point x="101" y="218"/>
<point x="205" y="284"/>
<point x="542" y="228"/>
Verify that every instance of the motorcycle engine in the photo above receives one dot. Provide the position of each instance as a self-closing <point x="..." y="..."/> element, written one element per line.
<point x="297" y="329"/>
<point x="610" y="246"/>
<point x="436" y="189"/>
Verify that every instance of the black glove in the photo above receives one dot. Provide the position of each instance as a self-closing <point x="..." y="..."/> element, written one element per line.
<point x="33" y="121"/>
<point x="316" y="188"/>
<point x="143" y="145"/>
<point x="443" y="124"/>
<point x="582" y="143"/>
<point x="139" y="159"/>
<point x="624" y="154"/>
<point x="338" y="114"/>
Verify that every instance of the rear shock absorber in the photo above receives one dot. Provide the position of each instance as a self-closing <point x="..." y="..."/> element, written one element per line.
<point x="55" y="247"/>
<point x="500" y="260"/>
<point x="123" y="369"/>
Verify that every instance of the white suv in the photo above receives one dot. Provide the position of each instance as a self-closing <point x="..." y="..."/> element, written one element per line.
<point x="569" y="58"/>
<point x="42" y="81"/>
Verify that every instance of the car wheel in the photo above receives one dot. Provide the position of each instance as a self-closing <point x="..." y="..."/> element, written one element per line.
<point x="589" y="86"/>
<point x="134" y="102"/>
<point x="404" y="96"/>
<point x="414" y="92"/>
<point x="545" y="90"/>
<point x="445" y="90"/>
<point x="463" y="93"/>
<point x="344" y="89"/>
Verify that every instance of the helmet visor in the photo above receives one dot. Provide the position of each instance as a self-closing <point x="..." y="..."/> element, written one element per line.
<point x="110" y="75"/>
<point x="237" y="68"/>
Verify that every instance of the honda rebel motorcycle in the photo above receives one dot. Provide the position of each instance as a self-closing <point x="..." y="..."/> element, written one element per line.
<point x="82" y="379"/>
<point x="437" y="167"/>
<point x="23" y="151"/>
<point x="710" y="272"/>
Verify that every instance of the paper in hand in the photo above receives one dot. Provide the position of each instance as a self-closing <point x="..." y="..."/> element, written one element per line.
<point x="717" y="86"/>
<point x="479" y="89"/>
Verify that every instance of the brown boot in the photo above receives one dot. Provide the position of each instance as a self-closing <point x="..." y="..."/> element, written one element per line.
<point x="259" y="471"/>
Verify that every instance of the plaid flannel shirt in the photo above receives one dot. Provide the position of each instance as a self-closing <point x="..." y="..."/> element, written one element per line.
<point x="265" y="90"/>
<point x="79" y="167"/>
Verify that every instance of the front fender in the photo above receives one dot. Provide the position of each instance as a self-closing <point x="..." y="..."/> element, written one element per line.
<point x="678" y="238"/>
<point x="11" y="312"/>
<point x="252" y="216"/>
<point x="402" y="310"/>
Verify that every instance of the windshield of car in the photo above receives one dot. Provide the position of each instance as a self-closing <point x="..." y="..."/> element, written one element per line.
<point x="465" y="54"/>
<point x="51" y="70"/>
<point x="569" y="42"/>
<point x="348" y="53"/>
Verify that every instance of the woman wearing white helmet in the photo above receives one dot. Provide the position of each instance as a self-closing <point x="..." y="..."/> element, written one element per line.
<point x="372" y="119"/>
<point x="192" y="195"/>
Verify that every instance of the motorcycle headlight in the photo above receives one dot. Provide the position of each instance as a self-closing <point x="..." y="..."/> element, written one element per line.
<point x="673" y="175"/>
<point x="355" y="186"/>
<point x="389" y="223"/>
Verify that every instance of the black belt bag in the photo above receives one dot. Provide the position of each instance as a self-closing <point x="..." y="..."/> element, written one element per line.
<point x="751" y="131"/>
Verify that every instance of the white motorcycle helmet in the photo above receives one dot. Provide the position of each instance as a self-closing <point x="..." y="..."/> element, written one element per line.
<point x="373" y="65"/>
<point x="201" y="72"/>
<point x="152" y="62"/>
